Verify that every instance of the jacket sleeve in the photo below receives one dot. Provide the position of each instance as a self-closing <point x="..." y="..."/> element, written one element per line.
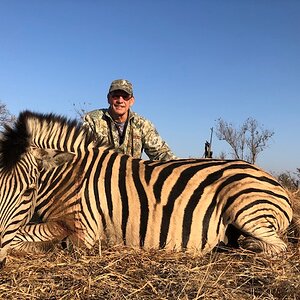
<point x="89" y="123"/>
<point x="154" y="146"/>
<point x="94" y="123"/>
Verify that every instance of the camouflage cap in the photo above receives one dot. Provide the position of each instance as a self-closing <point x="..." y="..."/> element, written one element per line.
<point x="121" y="84"/>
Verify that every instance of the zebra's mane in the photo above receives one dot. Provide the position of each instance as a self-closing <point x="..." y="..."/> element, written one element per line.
<point x="15" y="140"/>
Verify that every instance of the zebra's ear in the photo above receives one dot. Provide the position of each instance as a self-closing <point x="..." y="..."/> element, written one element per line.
<point x="48" y="158"/>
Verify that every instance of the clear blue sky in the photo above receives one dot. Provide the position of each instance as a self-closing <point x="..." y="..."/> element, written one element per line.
<point x="191" y="62"/>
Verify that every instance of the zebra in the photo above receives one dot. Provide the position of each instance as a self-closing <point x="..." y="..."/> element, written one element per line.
<point x="52" y="169"/>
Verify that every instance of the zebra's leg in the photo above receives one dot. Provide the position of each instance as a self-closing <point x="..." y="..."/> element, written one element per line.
<point x="271" y="246"/>
<point x="40" y="237"/>
<point x="263" y="237"/>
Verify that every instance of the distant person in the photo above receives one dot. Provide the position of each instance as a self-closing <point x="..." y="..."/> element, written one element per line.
<point x="124" y="129"/>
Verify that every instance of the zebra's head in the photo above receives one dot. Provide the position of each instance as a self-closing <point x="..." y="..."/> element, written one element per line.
<point x="32" y="145"/>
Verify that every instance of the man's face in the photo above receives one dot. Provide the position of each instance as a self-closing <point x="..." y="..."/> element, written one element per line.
<point x="120" y="102"/>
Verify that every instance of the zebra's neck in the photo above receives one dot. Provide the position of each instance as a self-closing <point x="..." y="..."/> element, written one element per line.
<point x="44" y="131"/>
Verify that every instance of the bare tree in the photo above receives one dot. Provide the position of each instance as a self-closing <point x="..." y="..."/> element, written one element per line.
<point x="222" y="155"/>
<point x="258" y="138"/>
<point x="289" y="180"/>
<point x="5" y="116"/>
<point x="81" y="110"/>
<point x="247" y="141"/>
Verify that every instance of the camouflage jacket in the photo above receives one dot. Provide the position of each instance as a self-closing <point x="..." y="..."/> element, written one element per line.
<point x="140" y="135"/>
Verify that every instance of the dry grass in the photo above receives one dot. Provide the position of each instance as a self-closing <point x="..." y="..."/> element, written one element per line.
<point x="123" y="273"/>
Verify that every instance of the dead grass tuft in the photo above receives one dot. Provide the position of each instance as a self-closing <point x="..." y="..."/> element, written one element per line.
<point x="123" y="273"/>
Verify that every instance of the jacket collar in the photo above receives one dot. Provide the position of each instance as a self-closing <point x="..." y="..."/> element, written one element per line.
<point x="130" y="115"/>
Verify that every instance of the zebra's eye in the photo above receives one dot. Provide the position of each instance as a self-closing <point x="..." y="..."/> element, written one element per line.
<point x="28" y="192"/>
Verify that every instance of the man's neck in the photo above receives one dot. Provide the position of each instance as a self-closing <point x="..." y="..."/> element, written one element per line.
<point x="118" y="118"/>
